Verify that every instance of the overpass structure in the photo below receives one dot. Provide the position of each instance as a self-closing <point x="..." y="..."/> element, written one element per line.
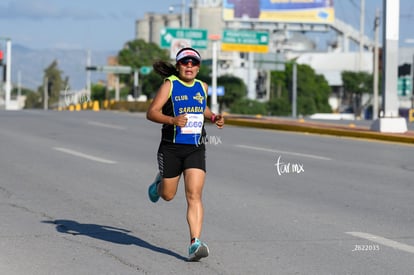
<point x="350" y="34"/>
<point x="346" y="32"/>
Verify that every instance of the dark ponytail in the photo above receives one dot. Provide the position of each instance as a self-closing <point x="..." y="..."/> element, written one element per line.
<point x="165" y="69"/>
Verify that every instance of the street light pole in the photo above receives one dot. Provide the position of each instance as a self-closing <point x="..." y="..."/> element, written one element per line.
<point x="182" y="6"/>
<point x="214" y="106"/>
<point x="375" y="108"/>
<point x="294" y="89"/>
<point x="361" y="34"/>
<point x="45" y="93"/>
<point x="8" y="73"/>
<point x="183" y="13"/>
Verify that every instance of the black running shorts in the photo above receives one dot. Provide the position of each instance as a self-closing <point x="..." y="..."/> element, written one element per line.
<point x="174" y="158"/>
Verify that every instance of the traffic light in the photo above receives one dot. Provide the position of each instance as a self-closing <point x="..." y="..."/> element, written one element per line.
<point x="1" y="57"/>
<point x="404" y="70"/>
<point x="4" y="72"/>
<point x="404" y="87"/>
<point x="261" y="85"/>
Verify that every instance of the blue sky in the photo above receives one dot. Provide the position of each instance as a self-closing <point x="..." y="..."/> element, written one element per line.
<point x="107" y="25"/>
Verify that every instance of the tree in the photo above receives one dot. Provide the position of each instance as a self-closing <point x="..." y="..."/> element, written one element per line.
<point x="279" y="103"/>
<point x="312" y="91"/>
<point x="279" y="106"/>
<point x="355" y="85"/>
<point x="98" y="92"/>
<point x="23" y="91"/>
<point x="234" y="89"/>
<point x="33" y="101"/>
<point x="55" y="84"/>
<point x="136" y="54"/>
<point x="248" y="107"/>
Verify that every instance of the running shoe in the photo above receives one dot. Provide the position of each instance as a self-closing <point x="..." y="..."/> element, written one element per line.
<point x="153" y="189"/>
<point x="197" y="250"/>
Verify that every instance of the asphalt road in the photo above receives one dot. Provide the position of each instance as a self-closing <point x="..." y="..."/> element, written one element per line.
<point x="73" y="200"/>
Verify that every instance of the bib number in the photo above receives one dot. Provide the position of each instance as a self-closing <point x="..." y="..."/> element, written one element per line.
<point x="194" y="124"/>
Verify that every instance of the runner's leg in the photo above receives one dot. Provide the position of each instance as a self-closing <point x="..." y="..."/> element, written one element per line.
<point x="168" y="188"/>
<point x="194" y="183"/>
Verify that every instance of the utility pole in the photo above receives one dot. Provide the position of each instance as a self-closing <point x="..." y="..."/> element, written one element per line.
<point x="193" y="13"/>
<point x="45" y="93"/>
<point x="215" y="38"/>
<point x="136" y="83"/>
<point x="361" y="34"/>
<point x="183" y="14"/>
<point x="294" y="89"/>
<point x="117" y="88"/>
<point x="251" y="90"/>
<point x="183" y="8"/>
<point x="88" y="74"/>
<point x="19" y="84"/>
<point x="8" y="74"/>
<point x="376" y="65"/>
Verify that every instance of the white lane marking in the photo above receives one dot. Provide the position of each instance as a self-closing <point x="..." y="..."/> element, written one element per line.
<point x="82" y="155"/>
<point x="105" y="125"/>
<point x="383" y="241"/>
<point x="282" y="152"/>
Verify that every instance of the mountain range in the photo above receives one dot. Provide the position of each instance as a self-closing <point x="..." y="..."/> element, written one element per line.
<point x="30" y="64"/>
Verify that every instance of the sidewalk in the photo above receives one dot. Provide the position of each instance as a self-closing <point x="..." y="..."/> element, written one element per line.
<point x="317" y="127"/>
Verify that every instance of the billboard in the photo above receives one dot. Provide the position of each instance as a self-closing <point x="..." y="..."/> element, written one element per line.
<point x="289" y="11"/>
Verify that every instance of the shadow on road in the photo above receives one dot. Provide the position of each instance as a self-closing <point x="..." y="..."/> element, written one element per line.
<point x="109" y="234"/>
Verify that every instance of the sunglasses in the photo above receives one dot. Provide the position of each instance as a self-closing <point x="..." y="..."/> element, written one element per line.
<point x="186" y="61"/>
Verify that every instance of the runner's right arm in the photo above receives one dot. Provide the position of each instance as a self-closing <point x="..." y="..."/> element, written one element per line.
<point x="154" y="112"/>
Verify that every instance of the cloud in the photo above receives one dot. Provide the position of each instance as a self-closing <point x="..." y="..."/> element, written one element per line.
<point x="43" y="9"/>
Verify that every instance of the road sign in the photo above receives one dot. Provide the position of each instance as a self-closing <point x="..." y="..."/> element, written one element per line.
<point x="219" y="90"/>
<point x="111" y="69"/>
<point x="198" y="37"/>
<point x="245" y="41"/>
<point x="145" y="70"/>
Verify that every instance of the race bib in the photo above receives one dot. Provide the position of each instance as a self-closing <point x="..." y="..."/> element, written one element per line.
<point x="194" y="124"/>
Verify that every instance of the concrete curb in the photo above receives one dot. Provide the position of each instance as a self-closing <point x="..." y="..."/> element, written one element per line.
<point x="323" y="129"/>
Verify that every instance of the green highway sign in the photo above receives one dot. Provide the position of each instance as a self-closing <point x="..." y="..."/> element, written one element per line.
<point x="245" y="41"/>
<point x="198" y="37"/>
<point x="111" y="69"/>
<point x="119" y="69"/>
